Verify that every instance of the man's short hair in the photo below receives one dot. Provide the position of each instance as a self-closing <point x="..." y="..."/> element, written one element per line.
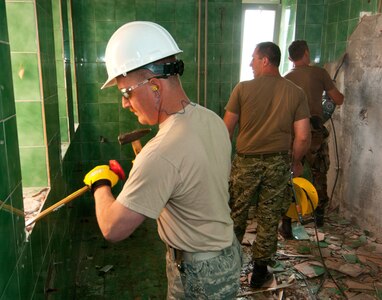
<point x="270" y="50"/>
<point x="297" y="49"/>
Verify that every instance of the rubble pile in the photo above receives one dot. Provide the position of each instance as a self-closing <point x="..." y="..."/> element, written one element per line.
<point x="337" y="261"/>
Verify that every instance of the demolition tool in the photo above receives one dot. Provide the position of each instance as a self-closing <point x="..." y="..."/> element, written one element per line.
<point x="133" y="138"/>
<point x="114" y="166"/>
<point x="328" y="105"/>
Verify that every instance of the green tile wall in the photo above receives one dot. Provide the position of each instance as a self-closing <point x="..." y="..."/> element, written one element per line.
<point x="79" y="62"/>
<point x="100" y="113"/>
<point x="287" y="32"/>
<point x="327" y="24"/>
<point x="11" y="216"/>
<point x="26" y="74"/>
<point x="29" y="134"/>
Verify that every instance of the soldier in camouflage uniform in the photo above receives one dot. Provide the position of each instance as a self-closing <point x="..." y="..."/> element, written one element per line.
<point x="266" y="110"/>
<point x="314" y="81"/>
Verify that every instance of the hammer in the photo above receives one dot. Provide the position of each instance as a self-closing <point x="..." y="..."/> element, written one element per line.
<point x="133" y="138"/>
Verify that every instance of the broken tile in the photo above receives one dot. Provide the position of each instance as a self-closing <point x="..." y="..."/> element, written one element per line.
<point x="310" y="270"/>
<point x="354" y="285"/>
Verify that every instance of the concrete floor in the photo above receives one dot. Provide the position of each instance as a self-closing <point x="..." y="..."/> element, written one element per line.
<point x="135" y="268"/>
<point x="131" y="269"/>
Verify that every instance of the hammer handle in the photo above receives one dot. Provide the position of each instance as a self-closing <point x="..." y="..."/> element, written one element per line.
<point x="137" y="146"/>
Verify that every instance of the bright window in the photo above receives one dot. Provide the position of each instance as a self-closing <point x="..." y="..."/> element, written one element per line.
<point x="260" y="24"/>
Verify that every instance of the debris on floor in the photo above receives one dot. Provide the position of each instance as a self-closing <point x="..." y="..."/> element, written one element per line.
<point x="34" y="199"/>
<point x="337" y="261"/>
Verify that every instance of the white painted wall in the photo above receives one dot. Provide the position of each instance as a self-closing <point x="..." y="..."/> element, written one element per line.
<point x="358" y="123"/>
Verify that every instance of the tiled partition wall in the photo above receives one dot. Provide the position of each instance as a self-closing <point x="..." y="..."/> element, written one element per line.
<point x="11" y="206"/>
<point x="192" y="23"/>
<point x="47" y="259"/>
<point x="326" y="25"/>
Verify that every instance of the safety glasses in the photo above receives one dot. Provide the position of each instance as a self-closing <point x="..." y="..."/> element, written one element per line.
<point x="127" y="91"/>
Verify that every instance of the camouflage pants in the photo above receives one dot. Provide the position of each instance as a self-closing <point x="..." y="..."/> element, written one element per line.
<point x="263" y="180"/>
<point x="318" y="161"/>
<point x="214" y="278"/>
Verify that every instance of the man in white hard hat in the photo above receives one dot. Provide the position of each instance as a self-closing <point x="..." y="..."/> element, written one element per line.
<point x="180" y="177"/>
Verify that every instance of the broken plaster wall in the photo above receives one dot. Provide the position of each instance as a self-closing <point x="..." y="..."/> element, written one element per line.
<point x="358" y="124"/>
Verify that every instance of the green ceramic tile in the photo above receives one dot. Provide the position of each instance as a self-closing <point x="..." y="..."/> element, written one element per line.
<point x="87" y="32"/>
<point x="355" y="8"/>
<point x="64" y="130"/>
<point x="51" y="118"/>
<point x="300" y="32"/>
<point x="333" y="12"/>
<point x="110" y="131"/>
<point x="91" y="151"/>
<point x="54" y="157"/>
<point x="30" y="123"/>
<point x="109" y="95"/>
<point x="25" y="271"/>
<point x="344" y="10"/>
<point x="104" y="30"/>
<point x="301" y="14"/>
<point x="110" y="150"/>
<point x="25" y="75"/>
<point x="33" y="165"/>
<point x="7" y="104"/>
<point x="87" y="72"/>
<point x="186" y="32"/>
<point x="62" y="102"/>
<point x="4" y="182"/>
<point x="86" y="52"/>
<point x="125" y="10"/>
<point x="104" y="10"/>
<point x="3" y="23"/>
<point x="89" y="112"/>
<point x="166" y="11"/>
<point x="100" y="48"/>
<point x="315" y="14"/>
<point x="18" y="218"/>
<point x="145" y="10"/>
<point x="13" y="159"/>
<point x="8" y="245"/>
<point x="186" y="11"/>
<point x="313" y="33"/>
<point x="84" y="10"/>
<point x="90" y="132"/>
<point x="331" y="33"/>
<point x="101" y="74"/>
<point x="88" y="93"/>
<point x="108" y="112"/>
<point x="342" y="31"/>
<point x="12" y="289"/>
<point x="21" y="26"/>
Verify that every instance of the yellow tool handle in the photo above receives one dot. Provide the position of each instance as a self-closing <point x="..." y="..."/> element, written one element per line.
<point x="57" y="205"/>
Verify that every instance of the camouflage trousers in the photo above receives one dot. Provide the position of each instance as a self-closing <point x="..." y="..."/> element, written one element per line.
<point x="265" y="181"/>
<point x="213" y="278"/>
<point x="318" y="160"/>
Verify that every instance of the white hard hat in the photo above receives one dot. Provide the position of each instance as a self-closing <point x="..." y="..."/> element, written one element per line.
<point x="134" y="45"/>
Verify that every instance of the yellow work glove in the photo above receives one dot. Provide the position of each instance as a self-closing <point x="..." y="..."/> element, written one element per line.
<point x="99" y="176"/>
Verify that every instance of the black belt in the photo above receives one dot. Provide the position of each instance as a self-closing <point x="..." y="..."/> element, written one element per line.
<point x="180" y="255"/>
<point x="262" y="156"/>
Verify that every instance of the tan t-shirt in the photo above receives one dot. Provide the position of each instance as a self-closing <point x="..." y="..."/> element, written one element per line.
<point x="181" y="179"/>
<point x="314" y="81"/>
<point x="267" y="107"/>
